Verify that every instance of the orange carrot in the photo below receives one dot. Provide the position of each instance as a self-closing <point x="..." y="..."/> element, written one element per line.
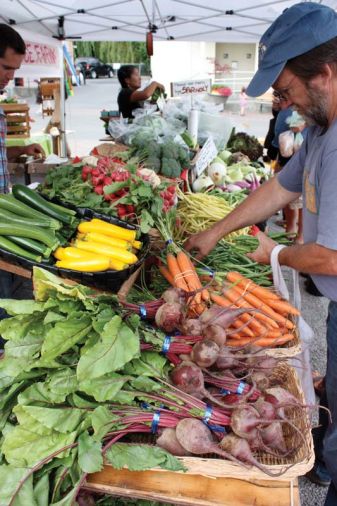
<point x="239" y="322"/>
<point x="254" y="325"/>
<point x="259" y="291"/>
<point x="282" y="306"/>
<point x="259" y="304"/>
<point x="241" y="302"/>
<point x="166" y="274"/>
<point x="191" y="277"/>
<point x="173" y="267"/>
<point x="263" y="341"/>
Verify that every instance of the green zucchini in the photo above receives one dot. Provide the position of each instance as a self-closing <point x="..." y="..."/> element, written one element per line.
<point x="64" y="209"/>
<point x="33" y="199"/>
<point x="10" y="246"/>
<point x="15" y="206"/>
<point x="8" y="217"/>
<point x="39" y="234"/>
<point x="30" y="244"/>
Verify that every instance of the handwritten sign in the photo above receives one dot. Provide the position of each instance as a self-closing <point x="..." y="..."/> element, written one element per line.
<point x="40" y="54"/>
<point x="182" y="88"/>
<point x="206" y="155"/>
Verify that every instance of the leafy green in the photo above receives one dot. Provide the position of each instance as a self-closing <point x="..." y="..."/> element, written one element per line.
<point x="104" y="388"/>
<point x="90" y="456"/>
<point x="117" y="345"/>
<point x="141" y="457"/>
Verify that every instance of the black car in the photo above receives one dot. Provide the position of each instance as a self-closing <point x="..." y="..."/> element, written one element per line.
<point x="94" y="68"/>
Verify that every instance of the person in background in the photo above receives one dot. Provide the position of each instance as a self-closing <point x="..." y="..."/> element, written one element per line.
<point x="131" y="97"/>
<point x="298" y="57"/>
<point x="12" y="52"/>
<point x="243" y="101"/>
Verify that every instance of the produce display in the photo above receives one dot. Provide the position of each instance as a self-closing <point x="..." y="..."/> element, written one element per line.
<point x="113" y="188"/>
<point x="80" y="372"/>
<point x="182" y="361"/>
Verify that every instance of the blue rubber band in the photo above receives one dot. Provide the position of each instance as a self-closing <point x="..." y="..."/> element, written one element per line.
<point x="224" y="391"/>
<point x="208" y="414"/>
<point x="144" y="405"/>
<point x="169" y="241"/>
<point x="240" y="388"/>
<point x="216" y="428"/>
<point x="142" y="312"/>
<point x="166" y="344"/>
<point x="210" y="272"/>
<point x="155" y="422"/>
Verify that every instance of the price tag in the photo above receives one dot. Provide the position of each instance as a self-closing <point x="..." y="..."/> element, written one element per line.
<point x="206" y="155"/>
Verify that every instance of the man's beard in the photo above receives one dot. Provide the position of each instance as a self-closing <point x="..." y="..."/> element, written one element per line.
<point x="316" y="113"/>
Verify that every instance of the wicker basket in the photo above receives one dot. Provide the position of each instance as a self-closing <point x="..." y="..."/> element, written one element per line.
<point x="301" y="462"/>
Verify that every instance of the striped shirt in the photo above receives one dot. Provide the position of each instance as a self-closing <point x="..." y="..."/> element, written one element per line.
<point x="4" y="175"/>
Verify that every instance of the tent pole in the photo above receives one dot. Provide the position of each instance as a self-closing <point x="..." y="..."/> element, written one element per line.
<point x="63" y="118"/>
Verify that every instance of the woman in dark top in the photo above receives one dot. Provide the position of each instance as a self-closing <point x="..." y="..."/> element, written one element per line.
<point x="130" y="96"/>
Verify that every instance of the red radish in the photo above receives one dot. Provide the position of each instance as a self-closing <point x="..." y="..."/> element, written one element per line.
<point x="107" y="180"/>
<point x="169" y="442"/>
<point x="240" y="449"/>
<point x="215" y="333"/>
<point x="99" y="189"/>
<point x="205" y="353"/>
<point x="191" y="327"/>
<point x="168" y="316"/>
<point x="195" y="437"/>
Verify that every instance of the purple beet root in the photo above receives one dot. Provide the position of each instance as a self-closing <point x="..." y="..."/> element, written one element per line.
<point x="168" y="441"/>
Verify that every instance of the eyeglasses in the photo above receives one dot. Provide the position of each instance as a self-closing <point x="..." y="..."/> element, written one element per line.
<point x="283" y="95"/>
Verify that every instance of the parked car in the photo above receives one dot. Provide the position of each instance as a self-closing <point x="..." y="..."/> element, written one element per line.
<point x="94" y="68"/>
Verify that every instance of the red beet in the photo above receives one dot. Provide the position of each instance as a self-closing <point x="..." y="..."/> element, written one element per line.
<point x="174" y="295"/>
<point x="205" y="353"/>
<point x="191" y="327"/>
<point x="169" y="316"/>
<point x="244" y="421"/>
<point x="168" y="440"/>
<point x="272" y="436"/>
<point x="215" y="333"/>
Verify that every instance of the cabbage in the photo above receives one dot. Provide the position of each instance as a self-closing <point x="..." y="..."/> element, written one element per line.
<point x="225" y="155"/>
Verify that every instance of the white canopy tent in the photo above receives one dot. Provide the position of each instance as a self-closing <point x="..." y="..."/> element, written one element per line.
<point x="129" y="20"/>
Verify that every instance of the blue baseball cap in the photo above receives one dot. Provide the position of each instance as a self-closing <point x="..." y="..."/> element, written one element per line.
<point x="299" y="29"/>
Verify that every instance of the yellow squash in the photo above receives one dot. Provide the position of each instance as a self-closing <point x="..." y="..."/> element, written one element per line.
<point x="105" y="239"/>
<point x="97" y="264"/>
<point x="109" y="229"/>
<point x="105" y="250"/>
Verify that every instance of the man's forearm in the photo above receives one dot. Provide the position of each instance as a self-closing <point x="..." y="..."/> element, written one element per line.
<point x="260" y="205"/>
<point x="14" y="152"/>
<point x="310" y="258"/>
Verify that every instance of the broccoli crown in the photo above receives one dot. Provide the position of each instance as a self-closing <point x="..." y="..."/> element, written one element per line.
<point x="170" y="167"/>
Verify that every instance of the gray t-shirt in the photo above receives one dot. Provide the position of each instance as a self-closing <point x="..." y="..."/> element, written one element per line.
<point x="313" y="171"/>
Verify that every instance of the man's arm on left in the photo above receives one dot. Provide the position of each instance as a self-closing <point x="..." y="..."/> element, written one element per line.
<point x="310" y="258"/>
<point x="35" y="150"/>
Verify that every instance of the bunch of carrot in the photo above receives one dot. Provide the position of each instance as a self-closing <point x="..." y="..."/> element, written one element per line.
<point x="180" y="273"/>
<point x="269" y="326"/>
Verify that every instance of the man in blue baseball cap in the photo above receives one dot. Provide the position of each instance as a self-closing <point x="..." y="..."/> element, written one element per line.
<point x="298" y="58"/>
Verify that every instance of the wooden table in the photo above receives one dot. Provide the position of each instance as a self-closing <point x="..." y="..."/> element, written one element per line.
<point x="193" y="490"/>
<point x="15" y="269"/>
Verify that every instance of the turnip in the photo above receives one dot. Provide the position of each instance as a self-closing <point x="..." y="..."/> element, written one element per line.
<point x="169" y="316"/>
<point x="168" y="441"/>
<point x="215" y="333"/>
<point x="205" y="353"/>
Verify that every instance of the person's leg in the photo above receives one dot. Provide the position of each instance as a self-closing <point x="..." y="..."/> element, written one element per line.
<point x="330" y="439"/>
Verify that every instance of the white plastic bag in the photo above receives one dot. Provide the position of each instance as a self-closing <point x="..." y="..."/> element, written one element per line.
<point x="298" y="140"/>
<point x="302" y="361"/>
<point x="286" y="143"/>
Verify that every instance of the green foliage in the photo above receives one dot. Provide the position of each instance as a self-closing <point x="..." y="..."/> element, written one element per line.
<point x="115" y="52"/>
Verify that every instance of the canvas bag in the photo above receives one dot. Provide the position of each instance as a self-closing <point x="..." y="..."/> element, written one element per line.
<point x="302" y="361"/>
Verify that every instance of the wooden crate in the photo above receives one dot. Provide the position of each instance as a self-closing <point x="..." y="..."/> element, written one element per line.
<point x="17" y="120"/>
<point x="193" y="490"/>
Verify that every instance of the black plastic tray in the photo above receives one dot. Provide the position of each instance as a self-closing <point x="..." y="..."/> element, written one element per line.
<point x="106" y="280"/>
